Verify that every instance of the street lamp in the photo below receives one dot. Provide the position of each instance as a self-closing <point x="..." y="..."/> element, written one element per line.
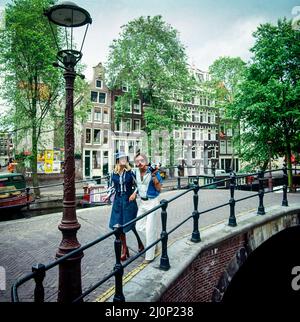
<point x="270" y="184"/>
<point x="67" y="14"/>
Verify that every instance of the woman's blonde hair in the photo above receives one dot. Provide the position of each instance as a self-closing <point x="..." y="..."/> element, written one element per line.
<point x="119" y="169"/>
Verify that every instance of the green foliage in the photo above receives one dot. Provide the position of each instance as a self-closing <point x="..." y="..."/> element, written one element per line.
<point x="268" y="104"/>
<point x="150" y="60"/>
<point x="31" y="83"/>
<point x="227" y="74"/>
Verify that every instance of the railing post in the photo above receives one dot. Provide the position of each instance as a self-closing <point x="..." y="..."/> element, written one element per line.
<point x="119" y="296"/>
<point x="261" y="208"/>
<point x="285" y="186"/>
<point x="164" y="259"/>
<point x="178" y="183"/>
<point x="39" y="292"/>
<point x="27" y="197"/>
<point x="196" y="234"/>
<point x="232" y="219"/>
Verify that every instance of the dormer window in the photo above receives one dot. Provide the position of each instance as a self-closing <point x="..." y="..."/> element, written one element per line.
<point x="98" y="83"/>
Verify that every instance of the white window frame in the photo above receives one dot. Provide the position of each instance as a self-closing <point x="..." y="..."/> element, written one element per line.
<point x="105" y="121"/>
<point x="100" y="80"/>
<point x="94" y="142"/>
<point x="139" y="129"/>
<point x="99" y="98"/>
<point x="85" y="136"/>
<point x="222" y="147"/>
<point x="140" y="107"/>
<point x="100" y="118"/>
<point x="96" y="97"/>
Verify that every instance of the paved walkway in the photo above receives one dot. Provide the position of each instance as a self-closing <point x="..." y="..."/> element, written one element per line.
<point x="26" y="242"/>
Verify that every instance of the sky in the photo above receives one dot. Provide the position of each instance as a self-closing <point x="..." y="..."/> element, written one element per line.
<point x="208" y="29"/>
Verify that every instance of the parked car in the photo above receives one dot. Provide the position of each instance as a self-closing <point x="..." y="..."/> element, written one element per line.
<point x="220" y="172"/>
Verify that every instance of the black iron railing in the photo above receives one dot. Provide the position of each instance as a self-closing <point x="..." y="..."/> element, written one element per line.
<point x="39" y="271"/>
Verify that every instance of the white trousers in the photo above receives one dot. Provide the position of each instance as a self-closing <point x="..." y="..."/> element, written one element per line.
<point x="149" y="224"/>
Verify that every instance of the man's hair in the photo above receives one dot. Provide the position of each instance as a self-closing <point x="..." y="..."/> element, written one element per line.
<point x="143" y="156"/>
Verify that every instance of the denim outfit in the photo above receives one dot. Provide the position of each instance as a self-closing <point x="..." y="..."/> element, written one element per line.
<point x="123" y="211"/>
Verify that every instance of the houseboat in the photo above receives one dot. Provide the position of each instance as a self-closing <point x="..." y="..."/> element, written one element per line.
<point x="13" y="192"/>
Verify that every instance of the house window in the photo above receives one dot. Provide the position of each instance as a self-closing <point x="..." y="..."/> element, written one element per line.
<point x="97" y="116"/>
<point x="222" y="147"/>
<point x="96" y="160"/>
<point x="229" y="132"/>
<point x="98" y="83"/>
<point x="105" y="162"/>
<point x="193" y="152"/>
<point x="229" y="147"/>
<point x="126" y="125"/>
<point x="102" y="98"/>
<point x="187" y="134"/>
<point x="105" y="136"/>
<point x="193" y="134"/>
<point x="105" y="115"/>
<point x="209" y="135"/>
<point x="131" y="147"/>
<point x="201" y="117"/>
<point x="137" y="107"/>
<point x="213" y="152"/>
<point x="195" y="116"/>
<point x="136" y="125"/>
<point x="97" y="133"/>
<point x="128" y="107"/>
<point x="117" y="126"/>
<point x="88" y="136"/>
<point x="201" y="134"/>
<point x="94" y="96"/>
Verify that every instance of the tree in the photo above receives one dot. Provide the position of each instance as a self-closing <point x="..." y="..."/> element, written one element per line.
<point x="227" y="74"/>
<point x="149" y="58"/>
<point x="31" y="83"/>
<point x="269" y="102"/>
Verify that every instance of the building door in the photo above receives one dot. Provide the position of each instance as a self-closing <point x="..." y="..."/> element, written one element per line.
<point x="87" y="163"/>
<point x="227" y="165"/>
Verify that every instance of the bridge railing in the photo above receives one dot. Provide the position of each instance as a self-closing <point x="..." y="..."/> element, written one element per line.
<point x="39" y="271"/>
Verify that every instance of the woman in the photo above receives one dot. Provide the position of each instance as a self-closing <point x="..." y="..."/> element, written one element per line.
<point x="124" y="207"/>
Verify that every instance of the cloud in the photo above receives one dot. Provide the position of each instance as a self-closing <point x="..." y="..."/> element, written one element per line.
<point x="234" y="41"/>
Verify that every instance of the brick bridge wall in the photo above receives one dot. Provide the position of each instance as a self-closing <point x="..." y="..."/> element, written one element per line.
<point x="208" y="276"/>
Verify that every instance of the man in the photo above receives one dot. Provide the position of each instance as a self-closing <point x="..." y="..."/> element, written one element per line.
<point x="149" y="184"/>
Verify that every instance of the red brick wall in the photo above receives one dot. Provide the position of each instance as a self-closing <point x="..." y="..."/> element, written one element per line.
<point x="197" y="282"/>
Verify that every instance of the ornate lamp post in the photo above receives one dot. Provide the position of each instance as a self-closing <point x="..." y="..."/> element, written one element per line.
<point x="69" y="15"/>
<point x="270" y="184"/>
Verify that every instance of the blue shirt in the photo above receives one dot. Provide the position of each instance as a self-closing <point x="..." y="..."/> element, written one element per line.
<point x="151" y="191"/>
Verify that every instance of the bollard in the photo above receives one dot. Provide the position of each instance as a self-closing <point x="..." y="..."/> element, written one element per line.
<point x="27" y="198"/>
<point x="119" y="296"/>
<point x="196" y="234"/>
<point x="232" y="218"/>
<point x="39" y="292"/>
<point x="261" y="208"/>
<point x="164" y="259"/>
<point x="285" y="186"/>
<point x="178" y="183"/>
